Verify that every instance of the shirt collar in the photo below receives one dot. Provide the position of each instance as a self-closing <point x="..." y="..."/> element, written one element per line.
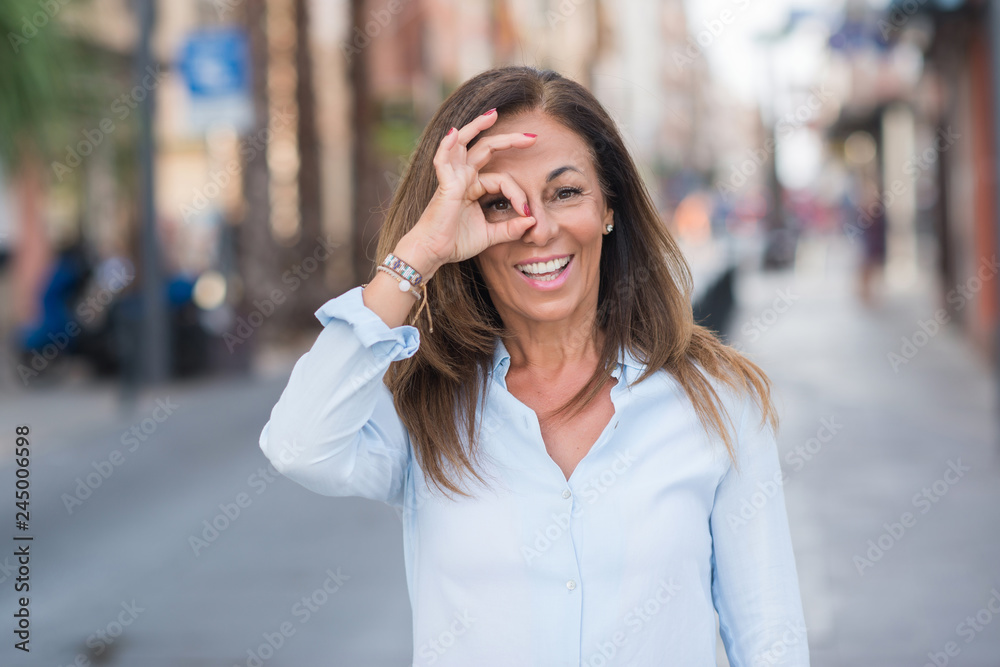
<point x="501" y="362"/>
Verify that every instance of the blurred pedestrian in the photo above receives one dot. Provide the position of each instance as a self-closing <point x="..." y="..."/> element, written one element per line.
<point x="583" y="472"/>
<point x="873" y="244"/>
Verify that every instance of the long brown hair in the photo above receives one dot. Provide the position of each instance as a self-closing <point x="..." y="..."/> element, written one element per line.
<point x="644" y="296"/>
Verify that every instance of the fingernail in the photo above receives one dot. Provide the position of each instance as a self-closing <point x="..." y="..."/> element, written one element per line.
<point x="449" y="132"/>
<point x="529" y="134"/>
<point x="527" y="211"/>
<point x="493" y="110"/>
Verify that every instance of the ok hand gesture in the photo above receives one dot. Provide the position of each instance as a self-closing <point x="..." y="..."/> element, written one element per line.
<point x="453" y="227"/>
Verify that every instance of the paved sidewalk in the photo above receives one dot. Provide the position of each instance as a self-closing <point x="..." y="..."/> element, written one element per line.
<point x="895" y="516"/>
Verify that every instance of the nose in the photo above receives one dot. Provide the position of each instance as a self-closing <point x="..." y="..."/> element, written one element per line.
<point x="545" y="228"/>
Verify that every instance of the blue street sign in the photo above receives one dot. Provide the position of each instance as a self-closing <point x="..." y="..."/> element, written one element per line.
<point x="215" y="63"/>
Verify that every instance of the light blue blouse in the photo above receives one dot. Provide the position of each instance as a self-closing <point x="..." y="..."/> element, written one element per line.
<point x="623" y="564"/>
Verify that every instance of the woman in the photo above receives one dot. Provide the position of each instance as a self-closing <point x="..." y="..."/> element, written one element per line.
<point x="583" y="472"/>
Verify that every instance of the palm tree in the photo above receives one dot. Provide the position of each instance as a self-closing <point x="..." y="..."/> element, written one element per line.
<point x="46" y="85"/>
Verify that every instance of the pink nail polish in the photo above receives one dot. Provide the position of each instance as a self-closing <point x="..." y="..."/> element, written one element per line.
<point x="491" y="111"/>
<point x="529" y="134"/>
<point x="527" y="211"/>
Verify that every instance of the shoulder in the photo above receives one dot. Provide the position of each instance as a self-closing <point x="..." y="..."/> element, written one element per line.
<point x="733" y="402"/>
<point x="737" y="406"/>
<point x="744" y="417"/>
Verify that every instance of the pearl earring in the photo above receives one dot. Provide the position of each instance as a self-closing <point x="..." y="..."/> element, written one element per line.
<point x="609" y="227"/>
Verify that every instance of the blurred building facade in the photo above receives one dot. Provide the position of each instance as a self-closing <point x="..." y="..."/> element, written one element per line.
<point x="916" y="131"/>
<point x="337" y="93"/>
<point x="246" y="199"/>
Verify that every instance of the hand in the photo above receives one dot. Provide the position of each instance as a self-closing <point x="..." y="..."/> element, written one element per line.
<point x="453" y="226"/>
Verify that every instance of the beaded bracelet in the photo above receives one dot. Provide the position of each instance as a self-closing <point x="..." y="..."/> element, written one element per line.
<point x="407" y="285"/>
<point x="404" y="284"/>
<point x="407" y="272"/>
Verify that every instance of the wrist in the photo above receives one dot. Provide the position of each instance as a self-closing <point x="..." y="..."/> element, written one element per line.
<point x="415" y="254"/>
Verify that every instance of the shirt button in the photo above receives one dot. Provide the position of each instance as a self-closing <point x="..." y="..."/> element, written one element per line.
<point x="571" y="584"/>
<point x="567" y="493"/>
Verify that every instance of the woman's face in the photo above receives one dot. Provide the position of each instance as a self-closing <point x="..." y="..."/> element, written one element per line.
<point x="551" y="272"/>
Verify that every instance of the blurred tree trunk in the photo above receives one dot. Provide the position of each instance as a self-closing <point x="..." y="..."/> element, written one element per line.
<point x="312" y="293"/>
<point x="364" y="174"/>
<point x="256" y="243"/>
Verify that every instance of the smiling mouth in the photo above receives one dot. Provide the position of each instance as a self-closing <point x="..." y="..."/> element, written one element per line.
<point x="545" y="271"/>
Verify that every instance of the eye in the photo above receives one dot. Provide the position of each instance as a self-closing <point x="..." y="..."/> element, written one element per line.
<point x="566" y="193"/>
<point x="498" y="204"/>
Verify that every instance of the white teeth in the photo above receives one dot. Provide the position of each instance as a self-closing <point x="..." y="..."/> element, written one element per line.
<point x="539" y="268"/>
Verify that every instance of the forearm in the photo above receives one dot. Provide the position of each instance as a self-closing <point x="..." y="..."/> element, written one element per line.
<point x="755" y="583"/>
<point x="334" y="429"/>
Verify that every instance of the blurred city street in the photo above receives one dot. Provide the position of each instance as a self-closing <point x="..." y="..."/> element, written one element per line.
<point x="135" y="540"/>
<point x="184" y="183"/>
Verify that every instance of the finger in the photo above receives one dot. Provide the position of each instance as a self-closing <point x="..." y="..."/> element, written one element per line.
<point x="443" y="157"/>
<point x="503" y="183"/>
<point x="480" y="154"/>
<point x="477" y="125"/>
<point x="508" y="230"/>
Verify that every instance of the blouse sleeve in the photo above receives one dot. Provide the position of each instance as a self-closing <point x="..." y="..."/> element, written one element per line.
<point x="754" y="580"/>
<point x="335" y="430"/>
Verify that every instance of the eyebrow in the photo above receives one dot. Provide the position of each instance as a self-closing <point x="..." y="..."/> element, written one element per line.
<point x="555" y="173"/>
